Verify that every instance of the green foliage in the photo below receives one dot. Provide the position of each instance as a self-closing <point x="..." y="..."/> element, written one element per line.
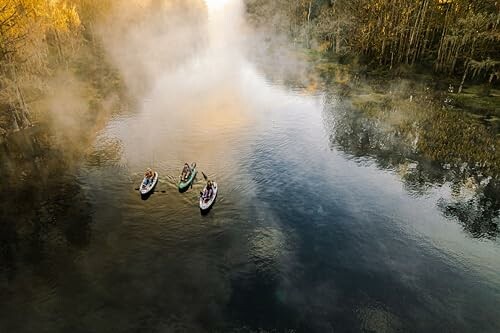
<point x="427" y="144"/>
<point x="456" y="36"/>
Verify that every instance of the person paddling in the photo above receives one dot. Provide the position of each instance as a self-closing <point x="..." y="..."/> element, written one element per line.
<point x="148" y="175"/>
<point x="186" y="171"/>
<point x="208" y="191"/>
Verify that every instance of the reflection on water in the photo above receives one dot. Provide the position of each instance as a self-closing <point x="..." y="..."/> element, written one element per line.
<point x="332" y="215"/>
<point x="427" y="147"/>
<point x="478" y="212"/>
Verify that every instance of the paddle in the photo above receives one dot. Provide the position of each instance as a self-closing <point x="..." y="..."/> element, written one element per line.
<point x="206" y="179"/>
<point x="162" y="191"/>
<point x="193" y="166"/>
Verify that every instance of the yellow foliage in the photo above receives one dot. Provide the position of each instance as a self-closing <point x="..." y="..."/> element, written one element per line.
<point x="24" y="24"/>
<point x="325" y="46"/>
<point x="63" y="16"/>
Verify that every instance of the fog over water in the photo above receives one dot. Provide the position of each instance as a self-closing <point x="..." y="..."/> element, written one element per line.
<point x="307" y="234"/>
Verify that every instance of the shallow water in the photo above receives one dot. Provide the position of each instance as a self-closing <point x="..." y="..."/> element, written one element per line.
<point x="310" y="231"/>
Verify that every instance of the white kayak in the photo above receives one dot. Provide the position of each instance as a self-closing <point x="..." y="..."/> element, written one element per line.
<point x="206" y="203"/>
<point x="146" y="189"/>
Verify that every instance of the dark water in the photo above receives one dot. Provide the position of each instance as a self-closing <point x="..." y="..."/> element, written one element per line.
<point x="316" y="227"/>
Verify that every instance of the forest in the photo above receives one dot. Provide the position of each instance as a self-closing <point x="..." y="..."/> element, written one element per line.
<point x="49" y="44"/>
<point x="422" y="78"/>
<point x="41" y="40"/>
<point x="457" y="38"/>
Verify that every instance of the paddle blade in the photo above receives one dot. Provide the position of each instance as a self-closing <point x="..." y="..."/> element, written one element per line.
<point x="204" y="176"/>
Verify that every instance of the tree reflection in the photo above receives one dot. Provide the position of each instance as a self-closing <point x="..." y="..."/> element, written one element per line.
<point x="43" y="210"/>
<point x="479" y="213"/>
<point x="428" y="146"/>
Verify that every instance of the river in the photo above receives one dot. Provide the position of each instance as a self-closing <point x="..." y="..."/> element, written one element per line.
<point x="324" y="221"/>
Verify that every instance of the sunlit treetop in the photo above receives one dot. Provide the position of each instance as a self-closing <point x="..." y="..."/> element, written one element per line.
<point x="26" y="23"/>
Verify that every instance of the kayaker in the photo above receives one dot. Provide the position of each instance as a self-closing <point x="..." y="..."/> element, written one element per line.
<point x="209" y="191"/>
<point x="149" y="176"/>
<point x="186" y="171"/>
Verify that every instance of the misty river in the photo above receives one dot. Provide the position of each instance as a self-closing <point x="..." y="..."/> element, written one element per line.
<point x="326" y="220"/>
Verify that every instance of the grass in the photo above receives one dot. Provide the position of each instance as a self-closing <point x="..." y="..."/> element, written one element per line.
<point x="479" y="100"/>
<point x="473" y="99"/>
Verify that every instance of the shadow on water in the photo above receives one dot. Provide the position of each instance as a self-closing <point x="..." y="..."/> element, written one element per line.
<point x="184" y="189"/>
<point x="146" y="196"/>
<point x="205" y="212"/>
<point x="43" y="209"/>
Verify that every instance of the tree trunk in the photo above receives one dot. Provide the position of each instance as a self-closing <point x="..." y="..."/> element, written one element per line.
<point x="15" y="123"/>
<point x="60" y="52"/>
<point x="442" y="39"/>
<point x="337" y="39"/>
<point x="21" y="115"/>
<point x="419" y="39"/>
<point x="308" y="43"/>
<point x="463" y="78"/>
<point x="413" y="34"/>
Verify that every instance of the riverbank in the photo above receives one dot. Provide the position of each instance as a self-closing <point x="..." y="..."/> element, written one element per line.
<point x="330" y="215"/>
<point x="388" y="53"/>
<point x="79" y="58"/>
<point x="407" y="123"/>
<point x="316" y="237"/>
<point x="419" y="127"/>
<point x="58" y="75"/>
<point x="479" y="100"/>
<point x="76" y="103"/>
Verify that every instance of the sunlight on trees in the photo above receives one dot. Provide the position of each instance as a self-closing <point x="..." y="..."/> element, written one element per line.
<point x="451" y="36"/>
<point x="40" y="39"/>
<point x="30" y="30"/>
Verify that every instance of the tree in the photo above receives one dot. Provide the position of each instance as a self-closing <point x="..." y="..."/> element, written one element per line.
<point x="28" y="31"/>
<point x="455" y="36"/>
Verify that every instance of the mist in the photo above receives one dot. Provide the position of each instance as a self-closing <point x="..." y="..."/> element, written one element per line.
<point x="186" y="64"/>
<point x="347" y="202"/>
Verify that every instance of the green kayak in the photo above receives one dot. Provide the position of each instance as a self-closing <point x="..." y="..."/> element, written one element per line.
<point x="184" y="184"/>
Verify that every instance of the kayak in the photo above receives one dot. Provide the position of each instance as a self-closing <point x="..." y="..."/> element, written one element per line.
<point x="146" y="189"/>
<point x="184" y="185"/>
<point x="206" y="203"/>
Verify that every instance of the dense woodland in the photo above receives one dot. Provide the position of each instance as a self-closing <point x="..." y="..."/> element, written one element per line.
<point x="41" y="40"/>
<point x="453" y="37"/>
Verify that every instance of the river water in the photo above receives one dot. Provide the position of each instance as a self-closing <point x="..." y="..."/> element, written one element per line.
<point x="314" y="229"/>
